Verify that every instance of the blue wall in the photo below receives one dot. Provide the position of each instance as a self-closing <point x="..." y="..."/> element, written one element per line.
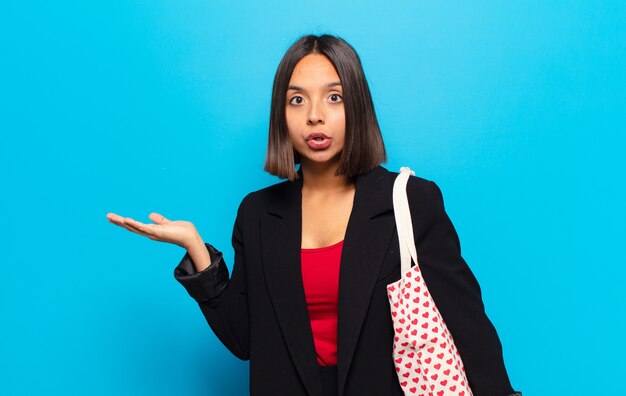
<point x="516" y="109"/>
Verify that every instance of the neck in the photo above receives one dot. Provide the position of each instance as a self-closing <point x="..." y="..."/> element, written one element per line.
<point x="321" y="178"/>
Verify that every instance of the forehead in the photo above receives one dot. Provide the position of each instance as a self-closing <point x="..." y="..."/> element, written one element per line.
<point x="313" y="69"/>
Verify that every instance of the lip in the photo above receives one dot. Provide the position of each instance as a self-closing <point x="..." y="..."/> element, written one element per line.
<point x="318" y="141"/>
<point x="315" y="135"/>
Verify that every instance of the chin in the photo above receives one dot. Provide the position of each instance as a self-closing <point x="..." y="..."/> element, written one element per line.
<point x="323" y="159"/>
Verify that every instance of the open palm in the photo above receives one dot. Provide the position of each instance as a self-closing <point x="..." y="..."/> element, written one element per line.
<point x="178" y="232"/>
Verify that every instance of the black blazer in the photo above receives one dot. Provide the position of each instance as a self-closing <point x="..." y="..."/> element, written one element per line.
<point x="260" y="314"/>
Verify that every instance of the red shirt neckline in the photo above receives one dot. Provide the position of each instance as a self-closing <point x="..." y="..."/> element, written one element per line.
<point x="321" y="249"/>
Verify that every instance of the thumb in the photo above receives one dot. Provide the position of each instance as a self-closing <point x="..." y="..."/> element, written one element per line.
<point x="158" y="219"/>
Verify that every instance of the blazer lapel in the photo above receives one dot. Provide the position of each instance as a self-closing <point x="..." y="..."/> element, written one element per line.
<point x="365" y="244"/>
<point x="281" y="235"/>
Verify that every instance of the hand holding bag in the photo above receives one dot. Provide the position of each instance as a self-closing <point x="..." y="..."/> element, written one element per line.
<point x="426" y="359"/>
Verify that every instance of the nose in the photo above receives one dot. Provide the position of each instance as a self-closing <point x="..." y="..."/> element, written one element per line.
<point x="315" y="114"/>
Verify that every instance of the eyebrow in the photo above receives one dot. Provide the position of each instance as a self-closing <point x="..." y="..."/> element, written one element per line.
<point x="329" y="85"/>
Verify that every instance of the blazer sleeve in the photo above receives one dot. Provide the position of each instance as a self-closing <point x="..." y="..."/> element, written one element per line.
<point x="456" y="292"/>
<point x="222" y="300"/>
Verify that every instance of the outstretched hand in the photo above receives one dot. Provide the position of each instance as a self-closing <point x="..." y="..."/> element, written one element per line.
<point x="178" y="232"/>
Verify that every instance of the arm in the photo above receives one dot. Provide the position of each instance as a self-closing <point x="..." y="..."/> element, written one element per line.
<point x="457" y="293"/>
<point x="223" y="301"/>
<point x="199" y="253"/>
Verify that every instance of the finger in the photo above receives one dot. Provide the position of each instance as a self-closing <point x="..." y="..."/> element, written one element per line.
<point x="114" y="218"/>
<point x="150" y="230"/>
<point x="134" y="223"/>
<point x="158" y="219"/>
<point x="136" y="230"/>
<point x="127" y="223"/>
<point x="117" y="221"/>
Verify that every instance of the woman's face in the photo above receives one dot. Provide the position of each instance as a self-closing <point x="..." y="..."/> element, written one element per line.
<point x="314" y="111"/>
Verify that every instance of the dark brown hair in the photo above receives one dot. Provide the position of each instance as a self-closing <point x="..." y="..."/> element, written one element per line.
<point x="363" y="148"/>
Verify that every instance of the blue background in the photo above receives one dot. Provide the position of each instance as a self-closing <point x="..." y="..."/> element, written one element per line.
<point x="515" y="109"/>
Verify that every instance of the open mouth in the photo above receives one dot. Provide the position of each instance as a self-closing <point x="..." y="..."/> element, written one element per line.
<point x="318" y="141"/>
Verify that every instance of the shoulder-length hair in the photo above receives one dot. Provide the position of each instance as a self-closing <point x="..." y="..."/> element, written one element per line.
<point x="363" y="149"/>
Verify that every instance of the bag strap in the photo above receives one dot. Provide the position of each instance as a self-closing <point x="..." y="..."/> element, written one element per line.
<point x="402" y="214"/>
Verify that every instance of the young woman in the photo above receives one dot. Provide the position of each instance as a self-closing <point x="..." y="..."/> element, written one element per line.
<point x="307" y="302"/>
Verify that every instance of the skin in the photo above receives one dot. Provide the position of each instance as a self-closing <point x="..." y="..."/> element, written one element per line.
<point x="317" y="106"/>
<point x="314" y="104"/>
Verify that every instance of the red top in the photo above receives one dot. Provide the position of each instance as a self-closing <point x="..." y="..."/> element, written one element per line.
<point x="320" y="276"/>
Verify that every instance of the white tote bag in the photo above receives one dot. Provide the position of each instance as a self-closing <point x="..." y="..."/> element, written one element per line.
<point x="426" y="359"/>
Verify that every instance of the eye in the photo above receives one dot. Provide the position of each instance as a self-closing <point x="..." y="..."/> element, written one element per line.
<point x="296" y="100"/>
<point x="335" y="98"/>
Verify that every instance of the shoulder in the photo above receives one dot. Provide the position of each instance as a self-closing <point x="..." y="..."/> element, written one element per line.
<point x="260" y="200"/>
<point x="417" y="187"/>
<point x="425" y="197"/>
